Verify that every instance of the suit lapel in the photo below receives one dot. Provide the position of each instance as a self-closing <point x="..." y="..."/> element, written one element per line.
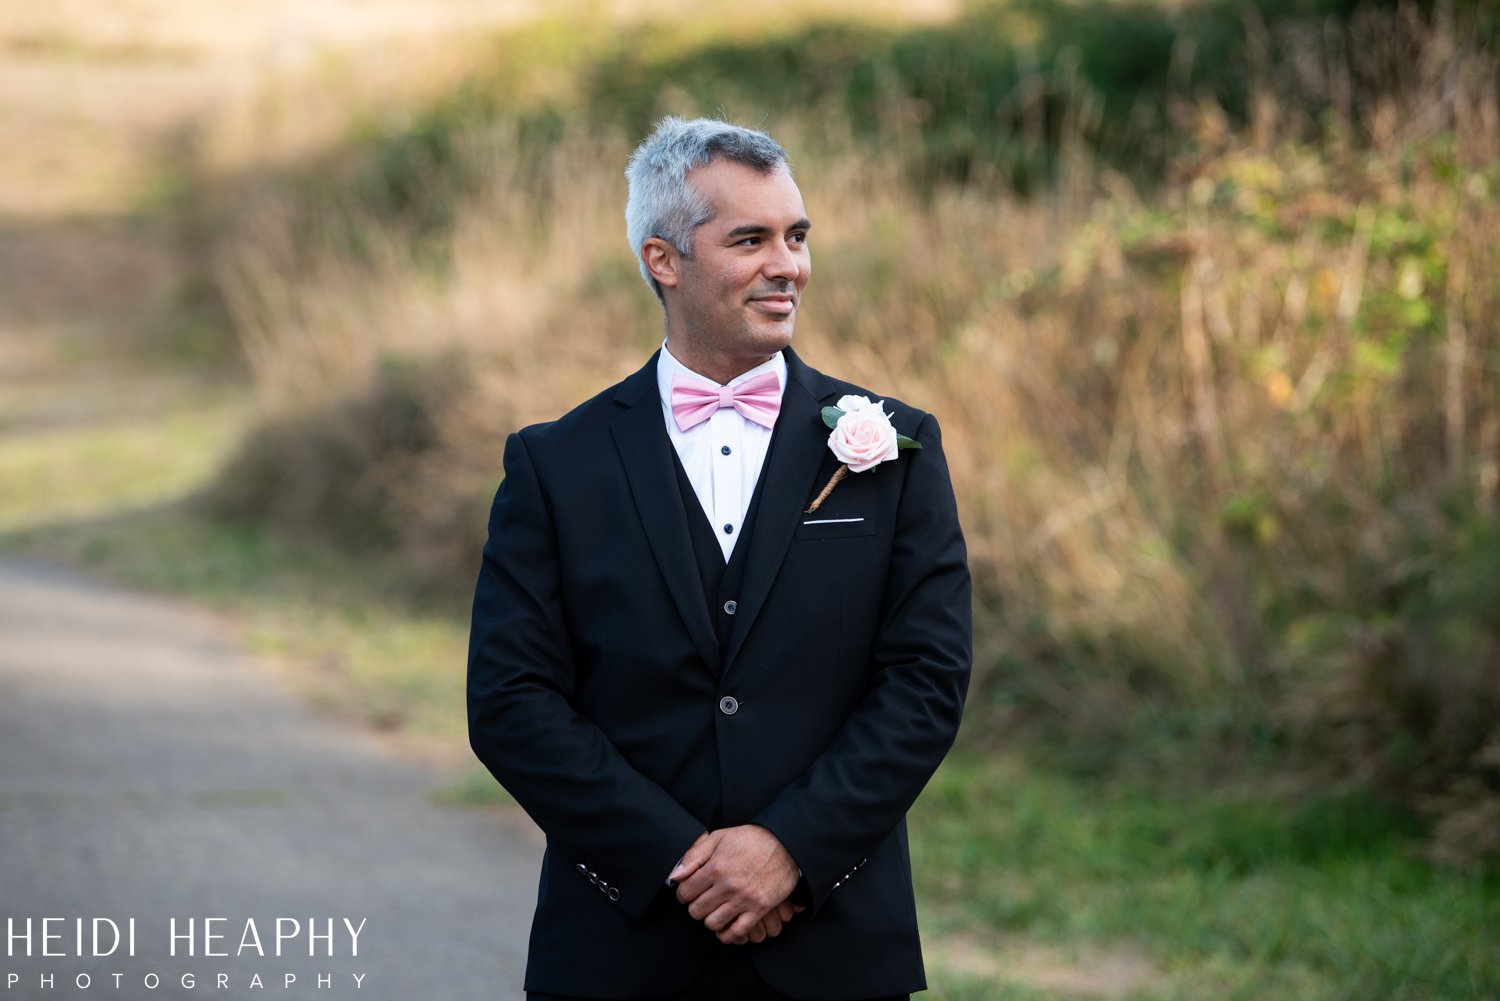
<point x="788" y="480"/>
<point x="646" y="451"/>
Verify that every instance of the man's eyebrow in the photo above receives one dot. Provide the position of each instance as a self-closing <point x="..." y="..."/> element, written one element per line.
<point x="759" y="229"/>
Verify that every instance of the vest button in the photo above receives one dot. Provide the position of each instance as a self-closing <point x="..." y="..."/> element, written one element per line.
<point x="729" y="705"/>
<point x="730" y="607"/>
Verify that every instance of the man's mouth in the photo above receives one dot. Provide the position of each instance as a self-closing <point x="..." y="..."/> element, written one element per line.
<point x="780" y="304"/>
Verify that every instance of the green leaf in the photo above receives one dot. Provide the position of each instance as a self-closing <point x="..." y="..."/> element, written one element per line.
<point x="904" y="442"/>
<point x="831" y="416"/>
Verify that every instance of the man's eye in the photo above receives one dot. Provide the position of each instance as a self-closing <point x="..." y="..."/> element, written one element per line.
<point x="750" y="241"/>
<point x="799" y="237"/>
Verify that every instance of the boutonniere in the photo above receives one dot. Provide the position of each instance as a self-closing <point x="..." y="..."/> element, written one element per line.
<point x="862" y="437"/>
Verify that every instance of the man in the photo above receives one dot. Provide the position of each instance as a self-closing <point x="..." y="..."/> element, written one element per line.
<point x="717" y="706"/>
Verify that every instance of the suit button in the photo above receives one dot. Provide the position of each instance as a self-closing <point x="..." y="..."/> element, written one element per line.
<point x="614" y="893"/>
<point x="729" y="705"/>
<point x="730" y="607"/>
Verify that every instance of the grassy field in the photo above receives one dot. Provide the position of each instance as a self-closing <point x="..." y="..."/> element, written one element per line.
<point x="1149" y="890"/>
<point x="1227" y="442"/>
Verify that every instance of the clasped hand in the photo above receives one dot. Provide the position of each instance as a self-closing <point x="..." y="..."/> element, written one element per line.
<point x="737" y="881"/>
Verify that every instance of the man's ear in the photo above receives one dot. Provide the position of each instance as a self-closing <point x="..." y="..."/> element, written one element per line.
<point x="661" y="259"/>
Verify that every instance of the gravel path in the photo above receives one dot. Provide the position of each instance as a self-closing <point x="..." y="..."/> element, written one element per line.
<point x="148" y="771"/>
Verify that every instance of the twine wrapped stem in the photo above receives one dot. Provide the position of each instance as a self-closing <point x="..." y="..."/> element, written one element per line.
<point x="838" y="474"/>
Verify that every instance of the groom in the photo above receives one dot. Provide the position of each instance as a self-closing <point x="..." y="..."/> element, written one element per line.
<point x="717" y="704"/>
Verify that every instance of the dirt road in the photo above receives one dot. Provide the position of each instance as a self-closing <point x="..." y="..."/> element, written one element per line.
<point x="148" y="771"/>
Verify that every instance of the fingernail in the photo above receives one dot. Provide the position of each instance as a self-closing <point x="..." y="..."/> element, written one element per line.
<point x="676" y="873"/>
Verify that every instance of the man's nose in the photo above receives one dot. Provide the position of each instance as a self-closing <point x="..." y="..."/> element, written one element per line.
<point x="783" y="264"/>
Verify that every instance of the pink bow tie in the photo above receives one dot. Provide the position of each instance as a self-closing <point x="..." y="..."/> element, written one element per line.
<point x="757" y="399"/>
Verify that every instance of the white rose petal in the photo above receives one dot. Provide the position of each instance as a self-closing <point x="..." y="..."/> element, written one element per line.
<point x="859" y="404"/>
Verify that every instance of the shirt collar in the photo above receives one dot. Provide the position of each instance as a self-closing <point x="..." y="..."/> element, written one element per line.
<point x="667" y="366"/>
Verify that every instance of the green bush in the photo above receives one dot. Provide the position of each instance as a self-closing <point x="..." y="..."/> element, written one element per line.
<point x="991" y="95"/>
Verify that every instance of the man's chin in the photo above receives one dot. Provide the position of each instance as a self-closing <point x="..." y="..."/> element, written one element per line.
<point x="771" y="342"/>
<point x="775" y="334"/>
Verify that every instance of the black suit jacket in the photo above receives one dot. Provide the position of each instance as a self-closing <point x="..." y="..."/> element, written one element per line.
<point x="596" y="680"/>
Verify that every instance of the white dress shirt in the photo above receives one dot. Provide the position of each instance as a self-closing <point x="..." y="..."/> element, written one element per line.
<point x="723" y="455"/>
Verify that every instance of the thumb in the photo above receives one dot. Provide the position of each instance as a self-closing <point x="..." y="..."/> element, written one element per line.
<point x="701" y="851"/>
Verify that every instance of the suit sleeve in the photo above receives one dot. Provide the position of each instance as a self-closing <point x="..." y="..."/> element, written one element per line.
<point x="594" y="807"/>
<point x="857" y="791"/>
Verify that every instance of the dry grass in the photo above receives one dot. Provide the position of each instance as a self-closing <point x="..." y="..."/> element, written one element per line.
<point x="1230" y="446"/>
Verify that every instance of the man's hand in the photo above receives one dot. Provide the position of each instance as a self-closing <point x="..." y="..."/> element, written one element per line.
<point x="770" y="925"/>
<point x="736" y="881"/>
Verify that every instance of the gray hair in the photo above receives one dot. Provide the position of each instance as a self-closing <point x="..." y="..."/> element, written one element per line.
<point x="661" y="202"/>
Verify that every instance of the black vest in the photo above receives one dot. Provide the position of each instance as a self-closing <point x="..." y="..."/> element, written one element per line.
<point x="721" y="581"/>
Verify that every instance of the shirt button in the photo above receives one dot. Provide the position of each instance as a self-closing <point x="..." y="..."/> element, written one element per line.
<point x="725" y="450"/>
<point x="729" y="705"/>
<point x="730" y="607"/>
<point x="728" y="529"/>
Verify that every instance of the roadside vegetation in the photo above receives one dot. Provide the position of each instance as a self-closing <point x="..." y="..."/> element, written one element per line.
<point x="1205" y="297"/>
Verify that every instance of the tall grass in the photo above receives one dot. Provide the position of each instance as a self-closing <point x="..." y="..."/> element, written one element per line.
<point x="1227" y="447"/>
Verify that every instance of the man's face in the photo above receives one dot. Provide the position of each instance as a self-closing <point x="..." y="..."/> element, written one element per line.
<point x="736" y="299"/>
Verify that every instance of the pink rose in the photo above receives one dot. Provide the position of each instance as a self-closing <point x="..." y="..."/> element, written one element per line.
<point x="863" y="439"/>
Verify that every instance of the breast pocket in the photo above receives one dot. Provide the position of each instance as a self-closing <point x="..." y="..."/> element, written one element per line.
<point x="814" y="529"/>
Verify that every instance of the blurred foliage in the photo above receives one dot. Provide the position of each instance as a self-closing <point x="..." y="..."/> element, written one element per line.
<point x="1204" y="296"/>
<point x="359" y="472"/>
<point x="990" y="94"/>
